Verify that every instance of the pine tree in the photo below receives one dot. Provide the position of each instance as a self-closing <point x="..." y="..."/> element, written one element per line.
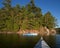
<point x="49" y="20"/>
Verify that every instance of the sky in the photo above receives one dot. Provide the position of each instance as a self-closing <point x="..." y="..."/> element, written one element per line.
<point x="46" y="5"/>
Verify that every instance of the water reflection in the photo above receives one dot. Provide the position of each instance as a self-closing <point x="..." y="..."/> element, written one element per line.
<point x="57" y="41"/>
<point x="17" y="41"/>
<point x="53" y="41"/>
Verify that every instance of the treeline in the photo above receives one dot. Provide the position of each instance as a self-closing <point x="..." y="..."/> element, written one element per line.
<point x="24" y="17"/>
<point x="57" y="30"/>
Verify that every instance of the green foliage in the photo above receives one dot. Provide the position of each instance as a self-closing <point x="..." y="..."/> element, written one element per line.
<point x="27" y="17"/>
<point x="49" y="20"/>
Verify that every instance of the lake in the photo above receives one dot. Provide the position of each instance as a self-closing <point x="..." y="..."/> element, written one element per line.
<point x="19" y="41"/>
<point x="53" y="40"/>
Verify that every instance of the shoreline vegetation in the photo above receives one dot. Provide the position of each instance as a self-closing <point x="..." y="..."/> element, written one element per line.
<point x="25" y="19"/>
<point x="42" y="32"/>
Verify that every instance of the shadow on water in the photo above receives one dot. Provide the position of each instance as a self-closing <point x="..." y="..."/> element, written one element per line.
<point x="17" y="41"/>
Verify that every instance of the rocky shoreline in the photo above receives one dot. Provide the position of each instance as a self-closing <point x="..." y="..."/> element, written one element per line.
<point x="42" y="31"/>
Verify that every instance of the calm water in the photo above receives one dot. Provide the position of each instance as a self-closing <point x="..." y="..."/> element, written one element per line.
<point x="19" y="41"/>
<point x="53" y="41"/>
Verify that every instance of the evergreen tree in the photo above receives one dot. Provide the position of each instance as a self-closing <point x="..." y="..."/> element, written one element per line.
<point x="26" y="17"/>
<point x="49" y="20"/>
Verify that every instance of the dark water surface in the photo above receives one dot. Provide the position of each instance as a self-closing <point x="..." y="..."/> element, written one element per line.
<point x="19" y="41"/>
<point x="53" y="41"/>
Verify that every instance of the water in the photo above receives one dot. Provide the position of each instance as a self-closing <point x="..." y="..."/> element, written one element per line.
<point x="19" y="41"/>
<point x="57" y="41"/>
<point x="53" y="41"/>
